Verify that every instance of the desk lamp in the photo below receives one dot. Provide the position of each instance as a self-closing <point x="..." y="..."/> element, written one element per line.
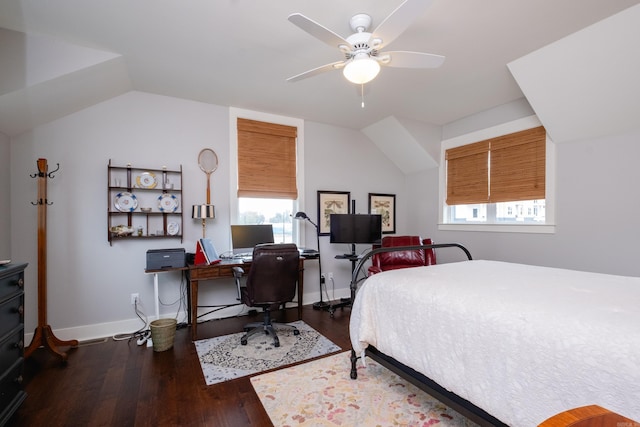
<point x="303" y="216"/>
<point x="203" y="212"/>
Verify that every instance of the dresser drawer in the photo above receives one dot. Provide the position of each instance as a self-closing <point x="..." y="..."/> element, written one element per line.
<point x="11" y="393"/>
<point x="11" y="348"/>
<point x="11" y="314"/>
<point x="11" y="282"/>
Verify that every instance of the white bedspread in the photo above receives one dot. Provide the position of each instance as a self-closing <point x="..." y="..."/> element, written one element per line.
<point x="521" y="342"/>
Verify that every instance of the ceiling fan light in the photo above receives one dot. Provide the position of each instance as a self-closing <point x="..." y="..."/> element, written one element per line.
<point x="361" y="70"/>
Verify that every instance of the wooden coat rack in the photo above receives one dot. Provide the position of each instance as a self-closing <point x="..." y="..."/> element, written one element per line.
<point x="43" y="335"/>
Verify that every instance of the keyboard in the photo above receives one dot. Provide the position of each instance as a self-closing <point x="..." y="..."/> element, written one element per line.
<point x="244" y="256"/>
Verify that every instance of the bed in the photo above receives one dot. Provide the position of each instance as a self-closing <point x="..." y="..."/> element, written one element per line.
<point x="503" y="343"/>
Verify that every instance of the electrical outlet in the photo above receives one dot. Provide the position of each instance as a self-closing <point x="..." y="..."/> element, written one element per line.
<point x="135" y="299"/>
<point x="322" y="279"/>
<point x="330" y="276"/>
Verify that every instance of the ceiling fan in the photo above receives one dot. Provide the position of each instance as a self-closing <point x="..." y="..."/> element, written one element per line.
<point x="362" y="49"/>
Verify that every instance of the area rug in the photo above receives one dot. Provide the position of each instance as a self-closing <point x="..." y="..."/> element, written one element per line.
<point x="223" y="358"/>
<point x="321" y="393"/>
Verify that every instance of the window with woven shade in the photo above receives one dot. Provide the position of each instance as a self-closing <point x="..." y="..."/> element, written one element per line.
<point x="266" y="160"/>
<point x="502" y="169"/>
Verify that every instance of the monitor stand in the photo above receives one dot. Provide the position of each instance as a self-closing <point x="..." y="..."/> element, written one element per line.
<point x="345" y="302"/>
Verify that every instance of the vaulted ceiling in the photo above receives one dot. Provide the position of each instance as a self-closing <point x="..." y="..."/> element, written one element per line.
<point x="57" y="57"/>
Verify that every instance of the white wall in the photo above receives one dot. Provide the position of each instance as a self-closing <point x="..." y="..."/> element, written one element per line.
<point x="89" y="281"/>
<point x="338" y="159"/>
<point x="597" y="202"/>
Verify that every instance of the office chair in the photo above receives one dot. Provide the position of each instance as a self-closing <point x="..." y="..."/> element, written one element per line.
<point x="271" y="282"/>
<point x="401" y="259"/>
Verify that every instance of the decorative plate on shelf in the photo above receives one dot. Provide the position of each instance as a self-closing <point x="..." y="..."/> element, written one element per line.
<point x="168" y="203"/>
<point x="173" y="228"/>
<point x="147" y="180"/>
<point x="126" y="202"/>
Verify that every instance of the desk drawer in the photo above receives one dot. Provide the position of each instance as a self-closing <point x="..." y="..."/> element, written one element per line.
<point x="11" y="314"/>
<point x="215" y="271"/>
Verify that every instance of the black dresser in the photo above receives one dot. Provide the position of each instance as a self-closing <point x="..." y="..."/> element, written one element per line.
<point x="11" y="339"/>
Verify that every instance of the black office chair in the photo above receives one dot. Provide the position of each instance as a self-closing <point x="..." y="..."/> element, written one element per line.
<point x="271" y="282"/>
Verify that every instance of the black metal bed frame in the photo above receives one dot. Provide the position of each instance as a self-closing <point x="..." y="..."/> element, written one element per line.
<point x="452" y="400"/>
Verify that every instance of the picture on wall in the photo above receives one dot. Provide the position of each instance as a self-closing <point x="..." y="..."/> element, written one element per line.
<point x="331" y="202"/>
<point x="385" y="205"/>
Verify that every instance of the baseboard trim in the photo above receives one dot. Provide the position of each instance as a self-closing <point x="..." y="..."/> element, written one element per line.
<point x="109" y="329"/>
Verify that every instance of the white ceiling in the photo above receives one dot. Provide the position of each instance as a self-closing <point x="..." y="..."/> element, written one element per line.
<point x="239" y="53"/>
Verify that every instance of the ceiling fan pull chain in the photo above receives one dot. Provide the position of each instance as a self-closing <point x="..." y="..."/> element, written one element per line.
<point x="362" y="94"/>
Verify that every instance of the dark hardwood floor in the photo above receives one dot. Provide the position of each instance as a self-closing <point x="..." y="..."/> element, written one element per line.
<point x="117" y="383"/>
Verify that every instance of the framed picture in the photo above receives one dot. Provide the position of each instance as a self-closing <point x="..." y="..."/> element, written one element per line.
<point x="331" y="202"/>
<point x="385" y="205"/>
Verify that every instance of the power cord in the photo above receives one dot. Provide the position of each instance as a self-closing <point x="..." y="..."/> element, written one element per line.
<point x="142" y="334"/>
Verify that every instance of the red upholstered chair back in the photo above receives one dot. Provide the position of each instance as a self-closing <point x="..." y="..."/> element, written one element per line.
<point x="402" y="259"/>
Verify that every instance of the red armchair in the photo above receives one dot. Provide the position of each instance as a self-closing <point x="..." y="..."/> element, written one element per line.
<point x="402" y="259"/>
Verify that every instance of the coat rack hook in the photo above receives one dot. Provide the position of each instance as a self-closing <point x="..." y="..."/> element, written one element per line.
<point x="50" y="174"/>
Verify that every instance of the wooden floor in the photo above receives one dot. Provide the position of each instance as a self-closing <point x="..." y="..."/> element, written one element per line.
<point x="117" y="383"/>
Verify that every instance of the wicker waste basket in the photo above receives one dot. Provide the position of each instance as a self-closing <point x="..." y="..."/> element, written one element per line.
<point x="163" y="331"/>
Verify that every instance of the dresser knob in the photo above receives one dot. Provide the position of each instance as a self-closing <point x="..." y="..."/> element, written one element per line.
<point x="19" y="379"/>
<point x="20" y="345"/>
<point x="21" y="310"/>
<point x="21" y="282"/>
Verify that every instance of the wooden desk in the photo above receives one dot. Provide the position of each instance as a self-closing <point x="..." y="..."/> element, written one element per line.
<point x="223" y="270"/>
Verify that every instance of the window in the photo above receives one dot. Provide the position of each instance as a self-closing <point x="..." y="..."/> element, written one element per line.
<point x="266" y="160"/>
<point x="500" y="180"/>
<point x="266" y="173"/>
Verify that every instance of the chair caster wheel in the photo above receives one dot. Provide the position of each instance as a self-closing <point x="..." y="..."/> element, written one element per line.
<point x="243" y="342"/>
<point x="296" y="332"/>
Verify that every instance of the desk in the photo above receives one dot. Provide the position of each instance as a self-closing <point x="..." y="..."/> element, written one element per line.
<point x="223" y="270"/>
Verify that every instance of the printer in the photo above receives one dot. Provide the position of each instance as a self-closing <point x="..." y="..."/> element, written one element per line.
<point x="159" y="259"/>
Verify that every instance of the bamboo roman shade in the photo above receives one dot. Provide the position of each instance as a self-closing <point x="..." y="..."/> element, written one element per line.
<point x="266" y="160"/>
<point x="468" y="174"/>
<point x="502" y="169"/>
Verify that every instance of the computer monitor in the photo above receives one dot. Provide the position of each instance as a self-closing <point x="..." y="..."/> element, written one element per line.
<point x="355" y="228"/>
<point x="245" y="237"/>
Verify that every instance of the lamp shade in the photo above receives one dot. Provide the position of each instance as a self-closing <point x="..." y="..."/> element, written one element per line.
<point x="203" y="211"/>
<point x="362" y="69"/>
<point x="301" y="215"/>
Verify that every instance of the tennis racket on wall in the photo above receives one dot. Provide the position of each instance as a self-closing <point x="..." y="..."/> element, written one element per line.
<point x="208" y="162"/>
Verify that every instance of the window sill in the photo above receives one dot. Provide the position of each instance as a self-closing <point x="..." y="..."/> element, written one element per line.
<point x="500" y="228"/>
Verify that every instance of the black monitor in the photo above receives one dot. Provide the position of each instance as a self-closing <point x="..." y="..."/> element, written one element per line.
<point x="355" y="228"/>
<point x="245" y="237"/>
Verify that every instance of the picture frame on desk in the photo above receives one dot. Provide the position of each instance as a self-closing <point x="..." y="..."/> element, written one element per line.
<point x="384" y="205"/>
<point x="331" y="202"/>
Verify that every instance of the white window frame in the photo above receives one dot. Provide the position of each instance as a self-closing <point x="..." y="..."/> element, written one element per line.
<point x="550" y="179"/>
<point x="234" y="114"/>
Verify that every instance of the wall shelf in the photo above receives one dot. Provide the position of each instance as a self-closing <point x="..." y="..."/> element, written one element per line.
<point x="131" y="189"/>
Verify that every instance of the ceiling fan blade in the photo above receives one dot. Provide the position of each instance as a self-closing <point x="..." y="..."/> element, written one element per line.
<point x="316" y="71"/>
<point x="399" y="20"/>
<point x="318" y="31"/>
<point x="404" y="59"/>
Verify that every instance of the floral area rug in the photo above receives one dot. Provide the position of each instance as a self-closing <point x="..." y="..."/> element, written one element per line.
<point x="321" y="393"/>
<point x="224" y="358"/>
